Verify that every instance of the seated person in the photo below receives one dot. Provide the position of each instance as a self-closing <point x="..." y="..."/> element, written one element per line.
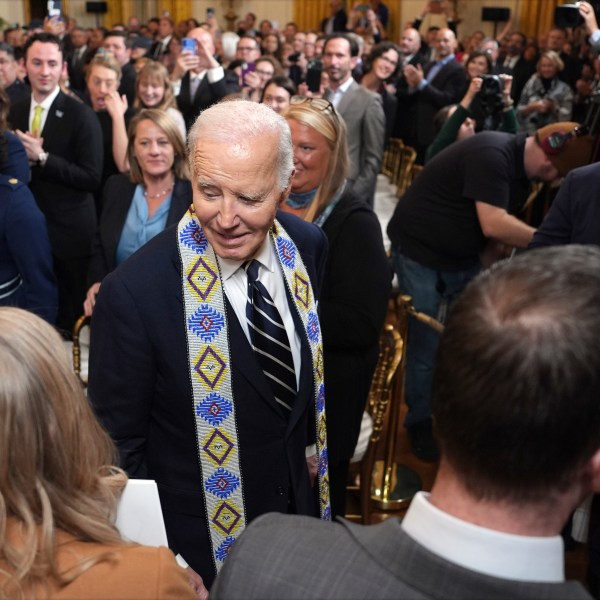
<point x="519" y="432"/>
<point x="58" y="487"/>
<point x="155" y="194"/>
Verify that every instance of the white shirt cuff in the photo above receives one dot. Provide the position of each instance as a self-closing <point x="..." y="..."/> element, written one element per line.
<point x="215" y="74"/>
<point x="181" y="561"/>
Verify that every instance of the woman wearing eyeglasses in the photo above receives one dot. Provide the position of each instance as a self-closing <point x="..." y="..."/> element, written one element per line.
<point x="357" y="279"/>
<point x="381" y="68"/>
<point x="265" y="68"/>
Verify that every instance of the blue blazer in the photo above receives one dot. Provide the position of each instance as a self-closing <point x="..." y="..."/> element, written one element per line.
<point x="139" y="384"/>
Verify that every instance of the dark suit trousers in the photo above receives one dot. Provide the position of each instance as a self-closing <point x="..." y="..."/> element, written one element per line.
<point x="71" y="276"/>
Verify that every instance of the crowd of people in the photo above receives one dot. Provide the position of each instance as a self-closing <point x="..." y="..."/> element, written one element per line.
<point x="207" y="197"/>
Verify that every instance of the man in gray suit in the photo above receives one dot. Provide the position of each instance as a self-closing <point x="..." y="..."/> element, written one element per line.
<point x="517" y="413"/>
<point x="362" y="111"/>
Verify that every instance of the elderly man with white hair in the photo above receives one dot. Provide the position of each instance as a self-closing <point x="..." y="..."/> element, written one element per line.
<point x="206" y="359"/>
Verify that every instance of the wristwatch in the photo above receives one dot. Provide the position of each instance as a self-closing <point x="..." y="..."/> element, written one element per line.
<point x="42" y="158"/>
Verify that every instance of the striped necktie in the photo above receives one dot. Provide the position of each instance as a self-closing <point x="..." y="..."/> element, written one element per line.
<point x="36" y="124"/>
<point x="269" y="339"/>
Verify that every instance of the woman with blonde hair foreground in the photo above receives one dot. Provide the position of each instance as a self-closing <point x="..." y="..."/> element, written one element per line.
<point x="357" y="280"/>
<point x="58" y="490"/>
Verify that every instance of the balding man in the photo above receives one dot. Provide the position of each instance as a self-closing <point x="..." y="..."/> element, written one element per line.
<point x="199" y="80"/>
<point x="440" y="83"/>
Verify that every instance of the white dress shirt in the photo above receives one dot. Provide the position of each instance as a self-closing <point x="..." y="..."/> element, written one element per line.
<point x="46" y="104"/>
<point x="235" y="285"/>
<point x="335" y="97"/>
<point x="494" y="553"/>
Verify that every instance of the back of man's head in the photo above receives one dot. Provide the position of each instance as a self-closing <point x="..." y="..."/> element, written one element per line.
<point x="516" y="392"/>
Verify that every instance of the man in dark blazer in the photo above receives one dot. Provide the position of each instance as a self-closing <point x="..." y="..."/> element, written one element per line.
<point x="203" y="81"/>
<point x="144" y="368"/>
<point x="65" y="151"/>
<point x="337" y="20"/>
<point x="519" y="429"/>
<point x="440" y="83"/>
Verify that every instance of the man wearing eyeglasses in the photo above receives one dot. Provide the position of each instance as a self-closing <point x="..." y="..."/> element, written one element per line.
<point x="199" y="81"/>
<point x="459" y="209"/>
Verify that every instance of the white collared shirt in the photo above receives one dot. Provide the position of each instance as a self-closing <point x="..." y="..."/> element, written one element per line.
<point x="214" y="74"/>
<point x="493" y="553"/>
<point x="335" y="97"/>
<point x="46" y="104"/>
<point x="235" y="285"/>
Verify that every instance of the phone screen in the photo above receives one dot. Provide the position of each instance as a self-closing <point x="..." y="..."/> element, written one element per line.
<point x="189" y="44"/>
<point x="247" y="68"/>
<point x="210" y="12"/>
<point x="313" y="75"/>
<point x="54" y="8"/>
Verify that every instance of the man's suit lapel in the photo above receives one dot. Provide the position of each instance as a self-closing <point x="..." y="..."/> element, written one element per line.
<point x="346" y="100"/>
<point x="56" y="119"/>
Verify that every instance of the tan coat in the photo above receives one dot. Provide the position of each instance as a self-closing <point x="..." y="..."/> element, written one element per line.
<point x="131" y="572"/>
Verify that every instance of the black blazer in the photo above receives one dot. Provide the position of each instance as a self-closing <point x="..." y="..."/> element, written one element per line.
<point x="356" y="289"/>
<point x="206" y="95"/>
<point x="447" y="87"/>
<point x="64" y="187"/>
<point x="118" y="196"/>
<point x="140" y="387"/>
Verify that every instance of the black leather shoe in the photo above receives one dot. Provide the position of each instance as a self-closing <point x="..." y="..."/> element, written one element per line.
<point x="422" y="442"/>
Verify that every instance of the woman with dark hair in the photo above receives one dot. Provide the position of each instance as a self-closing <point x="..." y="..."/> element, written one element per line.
<point x="278" y="92"/>
<point x="271" y="46"/>
<point x="381" y="68"/>
<point x="58" y="486"/>
<point x="154" y="195"/>
<point x="357" y="279"/>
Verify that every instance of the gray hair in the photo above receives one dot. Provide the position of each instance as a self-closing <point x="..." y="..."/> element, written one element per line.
<point x="239" y="120"/>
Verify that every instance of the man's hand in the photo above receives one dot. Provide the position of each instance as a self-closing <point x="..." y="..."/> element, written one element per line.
<point x="586" y="10"/>
<point x="33" y="145"/>
<point x="186" y="61"/>
<point x="90" y="299"/>
<point x="414" y="75"/>
<point x="313" y="467"/>
<point x="197" y="584"/>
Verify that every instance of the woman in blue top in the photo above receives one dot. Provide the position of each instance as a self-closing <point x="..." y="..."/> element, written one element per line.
<point x="136" y="206"/>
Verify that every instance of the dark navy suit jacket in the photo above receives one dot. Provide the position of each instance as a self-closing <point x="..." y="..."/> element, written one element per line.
<point x="139" y="384"/>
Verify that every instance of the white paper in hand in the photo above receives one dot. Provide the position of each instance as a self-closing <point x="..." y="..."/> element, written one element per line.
<point x="139" y="514"/>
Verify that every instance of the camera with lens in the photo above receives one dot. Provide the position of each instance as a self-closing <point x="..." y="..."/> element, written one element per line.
<point x="490" y="94"/>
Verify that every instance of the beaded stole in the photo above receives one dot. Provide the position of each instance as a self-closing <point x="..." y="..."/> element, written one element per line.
<point x="209" y="355"/>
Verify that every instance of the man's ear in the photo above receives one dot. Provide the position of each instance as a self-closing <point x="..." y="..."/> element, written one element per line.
<point x="353" y="62"/>
<point x="594" y="471"/>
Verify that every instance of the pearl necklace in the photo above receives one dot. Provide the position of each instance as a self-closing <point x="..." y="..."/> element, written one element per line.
<point x="159" y="194"/>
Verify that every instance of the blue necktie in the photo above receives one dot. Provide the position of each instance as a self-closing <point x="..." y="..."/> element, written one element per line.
<point x="269" y="340"/>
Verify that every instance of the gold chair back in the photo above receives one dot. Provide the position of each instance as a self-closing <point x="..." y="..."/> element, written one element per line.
<point x="80" y="324"/>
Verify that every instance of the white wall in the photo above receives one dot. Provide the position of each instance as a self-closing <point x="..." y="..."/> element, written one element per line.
<point x="12" y="11"/>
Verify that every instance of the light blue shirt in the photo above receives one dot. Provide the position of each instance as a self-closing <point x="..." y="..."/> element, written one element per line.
<point x="138" y="228"/>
